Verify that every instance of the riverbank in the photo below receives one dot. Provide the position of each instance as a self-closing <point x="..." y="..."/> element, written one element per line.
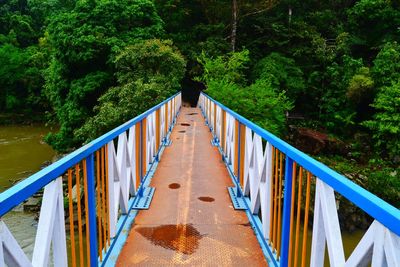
<point x="7" y="119"/>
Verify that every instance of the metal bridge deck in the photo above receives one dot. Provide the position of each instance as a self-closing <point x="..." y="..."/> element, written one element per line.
<point x="191" y="220"/>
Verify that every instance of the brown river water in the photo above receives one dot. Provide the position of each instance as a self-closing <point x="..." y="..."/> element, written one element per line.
<point x="23" y="152"/>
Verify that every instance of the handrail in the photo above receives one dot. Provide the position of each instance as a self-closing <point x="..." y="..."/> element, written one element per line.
<point x="277" y="185"/>
<point x="102" y="183"/>
<point x="29" y="186"/>
<point x="382" y="211"/>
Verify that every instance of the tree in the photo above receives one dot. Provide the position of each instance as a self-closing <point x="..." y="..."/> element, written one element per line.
<point x="361" y="87"/>
<point x="372" y="23"/>
<point x="260" y="101"/>
<point x="283" y="74"/>
<point x="85" y="43"/>
<point x="241" y="9"/>
<point x="336" y="112"/>
<point x="147" y="72"/>
<point x="386" y="67"/>
<point x="20" y="79"/>
<point x="385" y="125"/>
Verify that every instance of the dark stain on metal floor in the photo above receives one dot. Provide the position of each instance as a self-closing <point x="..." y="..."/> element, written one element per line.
<point x="183" y="238"/>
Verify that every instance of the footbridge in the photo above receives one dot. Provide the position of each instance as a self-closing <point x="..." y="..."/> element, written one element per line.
<point x="204" y="186"/>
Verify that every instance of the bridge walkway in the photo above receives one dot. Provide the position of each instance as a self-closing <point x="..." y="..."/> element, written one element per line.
<point x="191" y="220"/>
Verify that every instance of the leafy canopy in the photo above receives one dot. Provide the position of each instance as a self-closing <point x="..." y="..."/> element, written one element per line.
<point x="385" y="125"/>
<point x="86" y="41"/>
<point x="148" y="72"/>
<point x="261" y="101"/>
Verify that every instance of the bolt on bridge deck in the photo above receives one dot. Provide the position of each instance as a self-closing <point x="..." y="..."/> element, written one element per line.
<point x="191" y="220"/>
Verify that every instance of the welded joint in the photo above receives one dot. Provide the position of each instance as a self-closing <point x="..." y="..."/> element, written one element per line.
<point x="215" y="141"/>
<point x="236" y="198"/>
<point x="166" y="141"/>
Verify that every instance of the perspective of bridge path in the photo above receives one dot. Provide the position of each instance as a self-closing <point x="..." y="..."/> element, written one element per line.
<point x="191" y="220"/>
<point x="194" y="187"/>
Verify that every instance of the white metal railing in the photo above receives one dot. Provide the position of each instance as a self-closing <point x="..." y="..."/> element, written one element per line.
<point x="276" y="182"/>
<point x="109" y="176"/>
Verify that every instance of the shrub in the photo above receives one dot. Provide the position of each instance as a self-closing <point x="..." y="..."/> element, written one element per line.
<point x="261" y="101"/>
<point x="385" y="124"/>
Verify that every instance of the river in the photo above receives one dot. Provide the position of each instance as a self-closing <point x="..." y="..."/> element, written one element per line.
<point x="22" y="152"/>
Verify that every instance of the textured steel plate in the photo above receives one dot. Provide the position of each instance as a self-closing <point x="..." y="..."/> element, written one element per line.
<point x="191" y="221"/>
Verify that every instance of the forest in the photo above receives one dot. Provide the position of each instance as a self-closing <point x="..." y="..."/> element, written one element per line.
<point x="311" y="72"/>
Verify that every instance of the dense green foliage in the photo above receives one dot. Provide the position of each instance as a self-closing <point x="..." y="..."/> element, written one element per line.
<point x="90" y="65"/>
<point x="385" y="124"/>
<point x="83" y="59"/>
<point x="22" y="57"/>
<point x="21" y="79"/>
<point x="262" y="100"/>
<point x="283" y="73"/>
<point x="147" y="72"/>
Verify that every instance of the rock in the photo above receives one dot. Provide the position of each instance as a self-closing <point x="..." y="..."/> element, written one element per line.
<point x="32" y="204"/>
<point x="45" y="164"/>
<point x="74" y="193"/>
<point x="14" y="181"/>
<point x="314" y="142"/>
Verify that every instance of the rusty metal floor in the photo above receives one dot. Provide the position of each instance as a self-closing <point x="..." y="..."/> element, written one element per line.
<point x="191" y="221"/>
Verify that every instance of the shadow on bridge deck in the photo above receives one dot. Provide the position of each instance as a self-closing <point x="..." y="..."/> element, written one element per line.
<point x="191" y="220"/>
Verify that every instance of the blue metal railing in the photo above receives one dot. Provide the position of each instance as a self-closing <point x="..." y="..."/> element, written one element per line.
<point x="28" y="187"/>
<point x="274" y="176"/>
<point x="223" y="120"/>
<point x="158" y="118"/>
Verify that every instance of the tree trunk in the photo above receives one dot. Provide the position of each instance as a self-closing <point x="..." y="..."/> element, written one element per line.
<point x="234" y="24"/>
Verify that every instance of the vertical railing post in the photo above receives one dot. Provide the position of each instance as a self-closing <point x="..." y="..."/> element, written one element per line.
<point x="242" y="154"/>
<point x="137" y="155"/>
<point x="174" y="110"/>
<point x="144" y="152"/>
<point x="223" y="132"/>
<point x="171" y="116"/>
<point x="206" y="109"/>
<point x="92" y="210"/>
<point x="209" y="115"/>
<point x="158" y="132"/>
<point x="238" y="156"/>
<point x="215" y="120"/>
<point x="166" y="115"/>
<point x="236" y="142"/>
<point x="287" y="200"/>
<point x="140" y="190"/>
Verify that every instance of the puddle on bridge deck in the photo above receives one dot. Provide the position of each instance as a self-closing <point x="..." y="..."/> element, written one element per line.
<point x="183" y="238"/>
<point x="174" y="186"/>
<point x="206" y="199"/>
<point x="193" y="113"/>
<point x="185" y="124"/>
<point x="181" y="131"/>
